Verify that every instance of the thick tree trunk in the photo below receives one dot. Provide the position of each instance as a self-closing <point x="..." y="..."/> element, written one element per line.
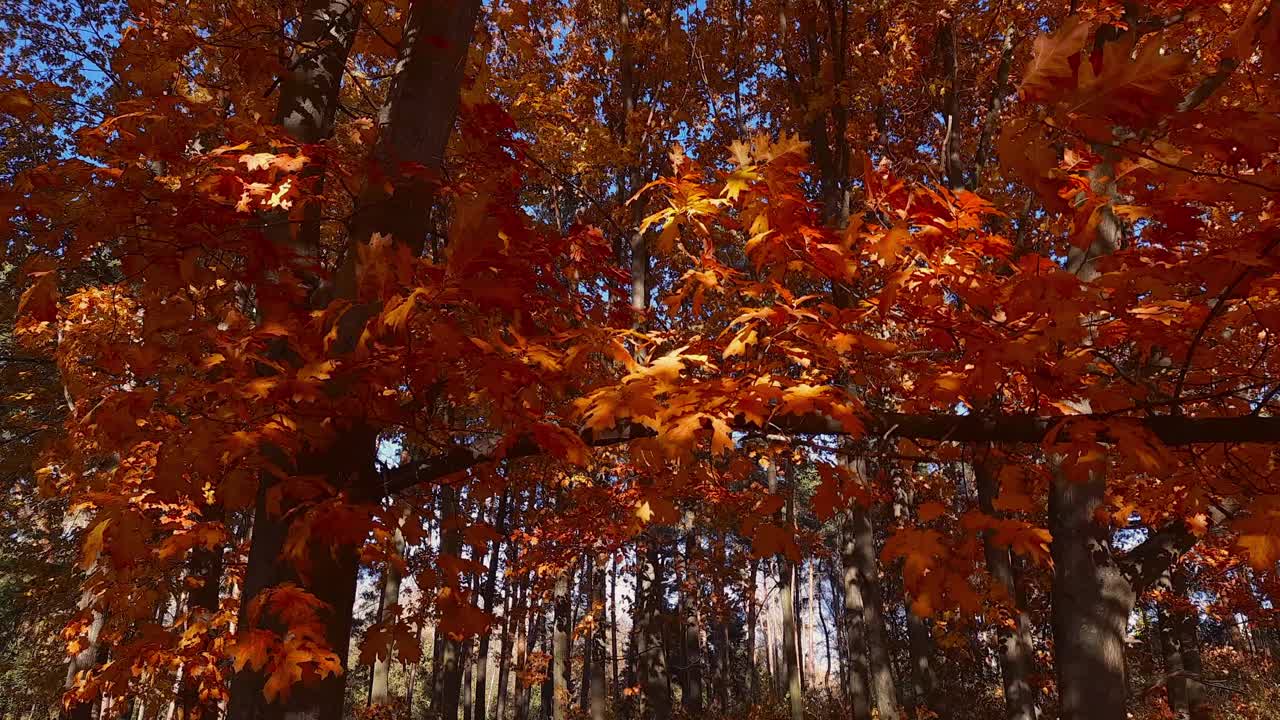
<point x="331" y="579"/>
<point x="1014" y="649"/>
<point x="857" y="690"/>
<point x="651" y="659"/>
<point x="1091" y="604"/>
<point x="414" y="129"/>
<point x="884" y="690"/>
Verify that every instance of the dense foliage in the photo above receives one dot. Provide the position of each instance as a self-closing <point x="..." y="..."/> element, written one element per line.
<point x="743" y="358"/>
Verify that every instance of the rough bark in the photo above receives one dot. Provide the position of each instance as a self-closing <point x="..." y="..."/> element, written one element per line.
<point x="857" y="689"/>
<point x="924" y="680"/>
<point x="1014" y="649"/>
<point x="1091" y="604"/>
<point x="1175" y="673"/>
<point x="884" y="691"/>
<point x="786" y="591"/>
<point x="651" y="660"/>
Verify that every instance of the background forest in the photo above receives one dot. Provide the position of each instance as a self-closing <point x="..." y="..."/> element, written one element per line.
<point x="524" y="359"/>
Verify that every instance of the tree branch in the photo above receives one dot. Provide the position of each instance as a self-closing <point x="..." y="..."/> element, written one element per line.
<point x="1168" y="429"/>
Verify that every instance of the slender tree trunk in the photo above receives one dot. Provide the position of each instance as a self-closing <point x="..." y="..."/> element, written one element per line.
<point x="787" y="591"/>
<point x="586" y="579"/>
<point x="547" y="690"/>
<point x="596" y="644"/>
<point x="691" y="675"/>
<point x="468" y="673"/>
<point x="613" y="626"/>
<point x="560" y="647"/>
<point x="511" y="632"/>
<point x="524" y="632"/>
<point x="1186" y="627"/>
<point x="769" y="663"/>
<point x="449" y="675"/>
<point x="84" y="661"/>
<point x="810" y="665"/>
<point x="1014" y="649"/>
<point x="753" y="612"/>
<point x="379" y="690"/>
<point x="487" y="596"/>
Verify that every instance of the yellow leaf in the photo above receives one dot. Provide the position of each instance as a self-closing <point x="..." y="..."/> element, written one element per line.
<point x="93" y="544"/>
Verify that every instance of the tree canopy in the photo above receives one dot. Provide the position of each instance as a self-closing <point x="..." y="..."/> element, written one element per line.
<point x="335" y="322"/>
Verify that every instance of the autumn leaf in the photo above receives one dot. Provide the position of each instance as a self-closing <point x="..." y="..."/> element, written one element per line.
<point x="1049" y="72"/>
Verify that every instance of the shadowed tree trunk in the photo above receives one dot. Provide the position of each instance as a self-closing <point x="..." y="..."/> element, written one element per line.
<point x="202" y="603"/>
<point x="884" y="691"/>
<point x="449" y="675"/>
<point x="651" y="659"/>
<point x="1186" y="629"/>
<point x="417" y="120"/>
<point x="1014" y="649"/>
<point x="487" y="596"/>
<point x="856" y="690"/>
<point x="691" y="652"/>
<point x="524" y="637"/>
<point x="753" y="613"/>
